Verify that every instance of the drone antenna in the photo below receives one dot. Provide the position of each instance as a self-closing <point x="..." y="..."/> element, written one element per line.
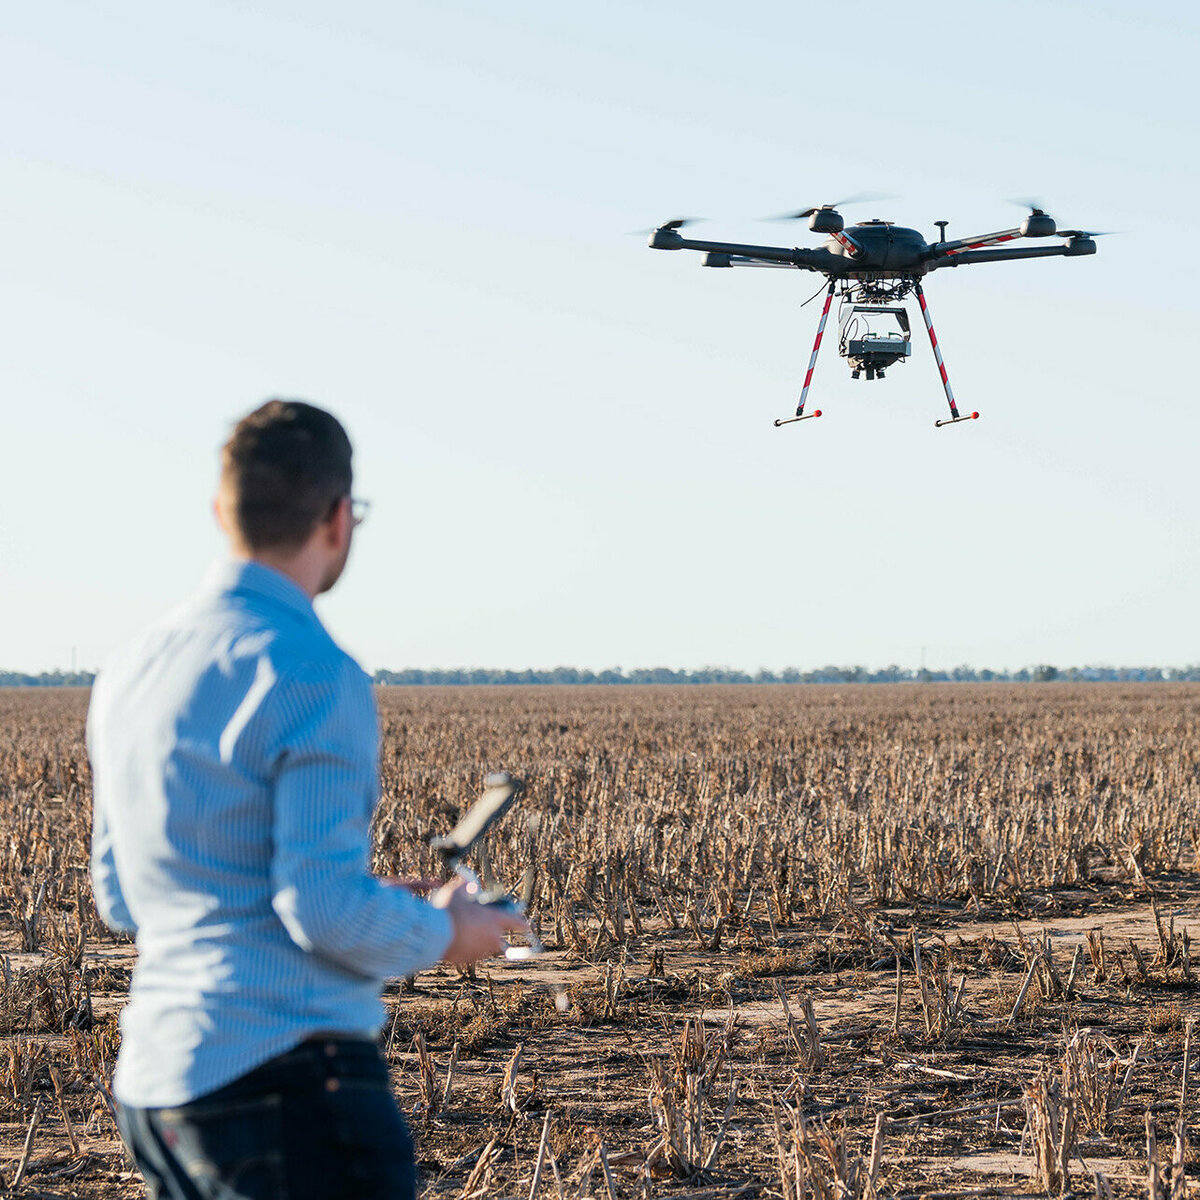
<point x="942" y="229"/>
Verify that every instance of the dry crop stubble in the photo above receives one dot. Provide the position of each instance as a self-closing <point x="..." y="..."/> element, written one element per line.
<point x="845" y="889"/>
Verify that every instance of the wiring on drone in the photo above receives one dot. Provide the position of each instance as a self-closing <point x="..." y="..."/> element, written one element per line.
<point x="815" y="294"/>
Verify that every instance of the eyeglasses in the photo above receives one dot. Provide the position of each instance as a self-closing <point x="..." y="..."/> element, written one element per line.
<point x="358" y="510"/>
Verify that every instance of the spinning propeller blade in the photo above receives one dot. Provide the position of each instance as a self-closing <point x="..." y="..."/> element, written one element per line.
<point x="1037" y="207"/>
<point x="1035" y="204"/>
<point x="673" y="223"/>
<point x="857" y="198"/>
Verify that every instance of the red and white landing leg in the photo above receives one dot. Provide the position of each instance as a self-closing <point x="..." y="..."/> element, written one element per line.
<point x="954" y="417"/>
<point x="812" y="362"/>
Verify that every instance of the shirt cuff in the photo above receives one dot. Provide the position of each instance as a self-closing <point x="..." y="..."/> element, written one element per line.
<point x="438" y="931"/>
<point x="441" y="930"/>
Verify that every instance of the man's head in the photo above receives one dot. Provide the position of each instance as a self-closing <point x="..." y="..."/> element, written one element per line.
<point x="284" y="496"/>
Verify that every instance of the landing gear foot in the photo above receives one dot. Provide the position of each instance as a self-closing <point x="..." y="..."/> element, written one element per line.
<point x="799" y="417"/>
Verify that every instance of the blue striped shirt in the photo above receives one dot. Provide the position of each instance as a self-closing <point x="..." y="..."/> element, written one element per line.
<point x="234" y="752"/>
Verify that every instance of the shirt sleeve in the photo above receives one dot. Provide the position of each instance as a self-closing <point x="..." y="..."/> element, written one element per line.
<point x="106" y="883"/>
<point x="324" y="752"/>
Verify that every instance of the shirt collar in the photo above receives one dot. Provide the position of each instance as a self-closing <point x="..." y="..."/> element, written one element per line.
<point x="246" y="575"/>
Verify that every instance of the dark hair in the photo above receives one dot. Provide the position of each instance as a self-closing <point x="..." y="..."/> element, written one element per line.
<point x="284" y="468"/>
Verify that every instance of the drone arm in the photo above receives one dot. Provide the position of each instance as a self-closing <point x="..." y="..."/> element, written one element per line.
<point x="1072" y="249"/>
<point x="713" y="259"/>
<point x="718" y="258"/>
<point x="951" y="249"/>
<point x="668" y="239"/>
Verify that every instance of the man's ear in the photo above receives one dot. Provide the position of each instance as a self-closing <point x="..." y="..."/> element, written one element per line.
<point x="338" y="523"/>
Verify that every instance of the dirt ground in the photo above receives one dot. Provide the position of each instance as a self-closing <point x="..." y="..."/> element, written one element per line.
<point x="587" y="1036"/>
<point x="955" y="1103"/>
<point x="801" y="943"/>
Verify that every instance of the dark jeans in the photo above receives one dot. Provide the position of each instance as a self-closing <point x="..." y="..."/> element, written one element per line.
<point x="317" y="1122"/>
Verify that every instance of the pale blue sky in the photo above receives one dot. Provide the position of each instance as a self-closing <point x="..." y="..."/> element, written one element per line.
<point x="414" y="214"/>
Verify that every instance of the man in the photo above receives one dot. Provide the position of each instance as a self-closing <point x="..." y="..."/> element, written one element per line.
<point x="235" y="756"/>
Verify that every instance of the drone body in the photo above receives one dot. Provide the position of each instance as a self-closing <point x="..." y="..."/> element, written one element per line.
<point x="877" y="264"/>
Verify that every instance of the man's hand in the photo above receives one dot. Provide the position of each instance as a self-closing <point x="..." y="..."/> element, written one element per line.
<point x="479" y="929"/>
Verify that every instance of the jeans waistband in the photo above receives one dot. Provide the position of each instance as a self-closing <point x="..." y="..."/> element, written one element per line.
<point x="339" y="1037"/>
<point x="312" y="1063"/>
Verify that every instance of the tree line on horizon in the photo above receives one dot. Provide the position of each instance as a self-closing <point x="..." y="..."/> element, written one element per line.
<point x="1042" y="673"/>
<point x="493" y="676"/>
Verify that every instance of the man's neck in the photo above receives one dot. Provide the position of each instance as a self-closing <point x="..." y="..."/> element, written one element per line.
<point x="298" y="567"/>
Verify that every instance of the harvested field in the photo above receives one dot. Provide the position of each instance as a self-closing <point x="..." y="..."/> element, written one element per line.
<point x="802" y="942"/>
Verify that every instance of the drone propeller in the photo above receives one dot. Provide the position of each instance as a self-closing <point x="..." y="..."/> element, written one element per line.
<point x="857" y="198"/>
<point x="1044" y="223"/>
<point x="675" y="223"/>
<point x="1037" y="208"/>
<point x="1035" y="204"/>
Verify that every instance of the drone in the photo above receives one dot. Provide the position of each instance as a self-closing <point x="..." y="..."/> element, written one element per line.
<point x="876" y="264"/>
